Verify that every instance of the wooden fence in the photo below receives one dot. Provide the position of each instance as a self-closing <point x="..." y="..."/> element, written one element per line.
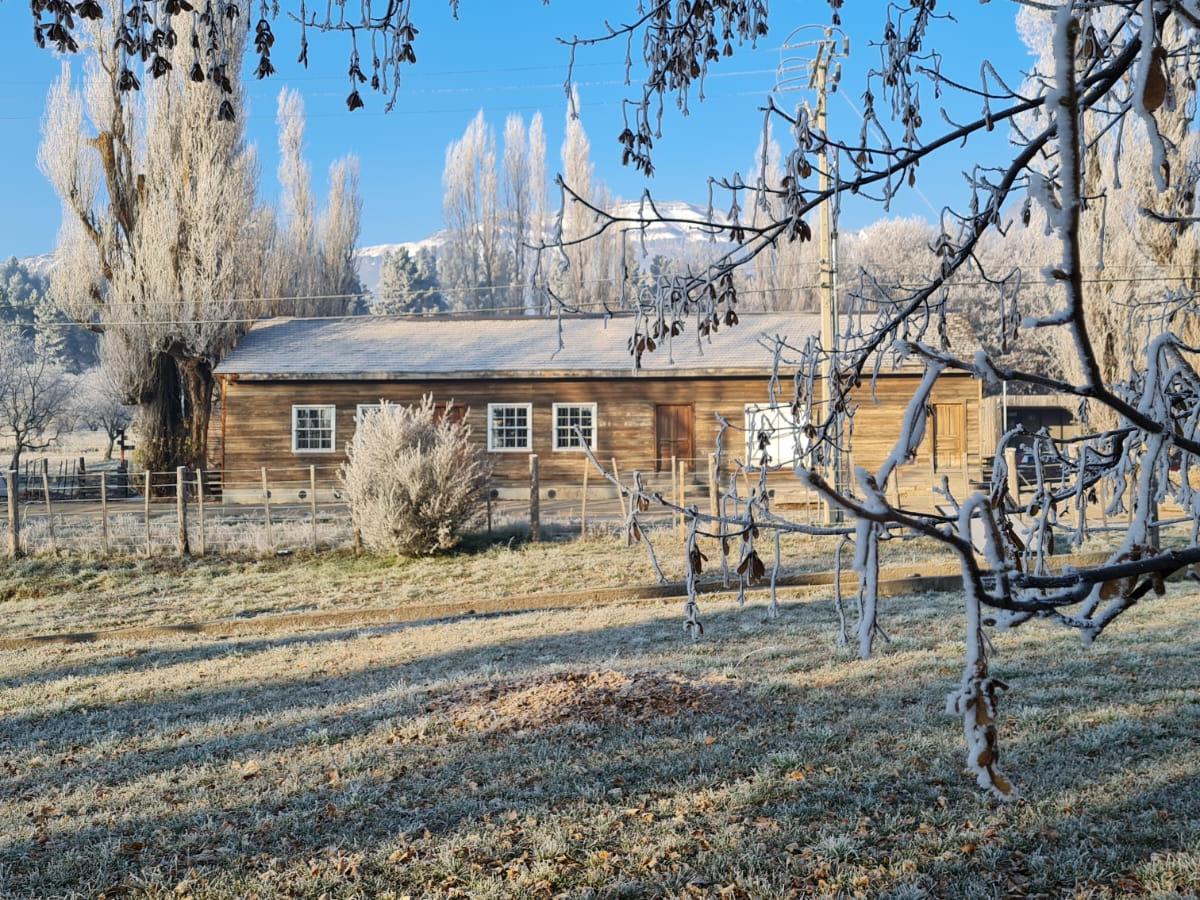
<point x="194" y="513"/>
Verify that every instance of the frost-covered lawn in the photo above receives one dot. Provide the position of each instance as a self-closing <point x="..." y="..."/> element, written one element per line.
<point x="600" y="753"/>
<point x="44" y="595"/>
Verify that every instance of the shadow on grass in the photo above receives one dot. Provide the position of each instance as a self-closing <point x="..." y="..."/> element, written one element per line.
<point x="872" y="746"/>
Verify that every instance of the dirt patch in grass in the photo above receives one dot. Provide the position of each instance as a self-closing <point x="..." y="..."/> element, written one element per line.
<point x="604" y="696"/>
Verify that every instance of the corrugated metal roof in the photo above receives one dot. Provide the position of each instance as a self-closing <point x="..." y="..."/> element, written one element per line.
<point x="396" y="348"/>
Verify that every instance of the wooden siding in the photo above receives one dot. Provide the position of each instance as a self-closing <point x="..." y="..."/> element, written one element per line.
<point x="256" y="421"/>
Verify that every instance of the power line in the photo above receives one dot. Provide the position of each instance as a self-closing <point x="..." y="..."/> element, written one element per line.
<point x="449" y="314"/>
<point x="908" y="281"/>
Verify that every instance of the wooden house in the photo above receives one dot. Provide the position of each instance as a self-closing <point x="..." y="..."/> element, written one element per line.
<point x="292" y="391"/>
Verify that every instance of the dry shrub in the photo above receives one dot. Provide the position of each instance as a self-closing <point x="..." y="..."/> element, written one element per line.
<point x="414" y="479"/>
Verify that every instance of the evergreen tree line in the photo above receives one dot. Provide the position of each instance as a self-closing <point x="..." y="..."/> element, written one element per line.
<point x="38" y="324"/>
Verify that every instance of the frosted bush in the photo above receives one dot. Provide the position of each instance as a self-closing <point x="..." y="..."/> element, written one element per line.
<point x="414" y="479"/>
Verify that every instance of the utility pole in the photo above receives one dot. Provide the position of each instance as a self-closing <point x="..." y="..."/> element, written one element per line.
<point x="828" y="271"/>
<point x="814" y="72"/>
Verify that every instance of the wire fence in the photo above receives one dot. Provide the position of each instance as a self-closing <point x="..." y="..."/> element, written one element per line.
<point x="123" y="511"/>
<point x="119" y="511"/>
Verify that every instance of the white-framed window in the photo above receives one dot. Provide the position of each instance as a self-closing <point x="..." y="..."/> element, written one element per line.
<point x="510" y="427"/>
<point x="776" y="430"/>
<point x="313" y="429"/>
<point x="568" y="417"/>
<point x="364" y="409"/>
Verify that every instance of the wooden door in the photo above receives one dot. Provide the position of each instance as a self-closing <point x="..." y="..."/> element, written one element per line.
<point x="672" y="434"/>
<point x="455" y="413"/>
<point x="949" y="436"/>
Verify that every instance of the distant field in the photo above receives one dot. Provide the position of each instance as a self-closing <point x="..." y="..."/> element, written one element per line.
<point x="44" y="595"/>
<point x="596" y="752"/>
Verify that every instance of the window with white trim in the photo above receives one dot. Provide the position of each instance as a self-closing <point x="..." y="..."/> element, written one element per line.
<point x="364" y="409"/>
<point x="510" y="427"/>
<point x="312" y="429"/>
<point x="571" y="416"/>
<point x="778" y="431"/>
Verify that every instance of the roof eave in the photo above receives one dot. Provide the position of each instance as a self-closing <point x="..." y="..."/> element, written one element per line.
<point x="493" y="375"/>
<point x="749" y="371"/>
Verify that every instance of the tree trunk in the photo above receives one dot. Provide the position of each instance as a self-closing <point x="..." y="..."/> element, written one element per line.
<point x="198" y="390"/>
<point x="161" y="432"/>
<point x="112" y="440"/>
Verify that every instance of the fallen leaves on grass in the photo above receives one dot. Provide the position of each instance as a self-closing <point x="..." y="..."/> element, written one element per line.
<point x="247" y="770"/>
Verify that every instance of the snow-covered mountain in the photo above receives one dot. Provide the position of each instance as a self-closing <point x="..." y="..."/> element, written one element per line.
<point x="673" y="237"/>
<point x="39" y="265"/>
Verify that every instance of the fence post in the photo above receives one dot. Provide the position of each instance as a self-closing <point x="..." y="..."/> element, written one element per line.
<point x="104" y="511"/>
<point x="49" y="507"/>
<point x="181" y="540"/>
<point x="1014" y="476"/>
<point x="674" y="495"/>
<point x="620" y="493"/>
<point x="535" y="518"/>
<point x="266" y="494"/>
<point x="200" y="512"/>
<point x="14" y="516"/>
<point x="583" y="503"/>
<point x="312" y="504"/>
<point x="146" y="511"/>
<point x="681" y="497"/>
<point x="713" y="488"/>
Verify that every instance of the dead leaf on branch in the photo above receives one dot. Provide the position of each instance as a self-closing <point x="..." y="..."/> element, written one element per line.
<point x="1154" y="93"/>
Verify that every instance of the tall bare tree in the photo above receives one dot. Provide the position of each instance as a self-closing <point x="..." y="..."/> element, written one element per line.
<point x="311" y="261"/>
<point x="587" y="273"/>
<point x="539" y="203"/>
<point x="163" y="236"/>
<point x="518" y="205"/>
<point x="165" y="248"/>
<point x="473" y="266"/>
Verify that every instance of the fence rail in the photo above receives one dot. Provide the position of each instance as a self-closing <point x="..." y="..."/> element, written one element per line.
<point x="303" y="507"/>
<point x="188" y="512"/>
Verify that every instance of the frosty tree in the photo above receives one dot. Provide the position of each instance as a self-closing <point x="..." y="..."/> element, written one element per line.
<point x="35" y="397"/>
<point x="165" y="248"/>
<point x="1118" y="74"/>
<point x="405" y="286"/>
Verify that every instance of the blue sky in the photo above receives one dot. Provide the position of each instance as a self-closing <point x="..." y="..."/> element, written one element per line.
<point x="502" y="56"/>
